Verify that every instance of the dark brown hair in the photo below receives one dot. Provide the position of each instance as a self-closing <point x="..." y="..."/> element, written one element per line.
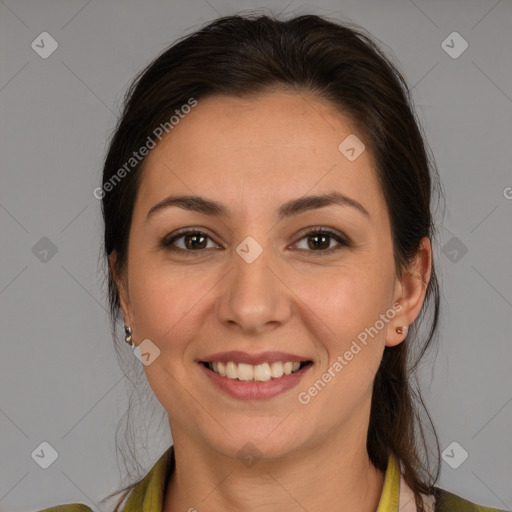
<point x="244" y="55"/>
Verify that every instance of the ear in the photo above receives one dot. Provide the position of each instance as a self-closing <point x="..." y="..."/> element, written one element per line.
<point x="410" y="291"/>
<point x="122" y="289"/>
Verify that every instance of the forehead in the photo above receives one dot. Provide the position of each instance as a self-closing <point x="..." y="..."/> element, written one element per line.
<point x="258" y="149"/>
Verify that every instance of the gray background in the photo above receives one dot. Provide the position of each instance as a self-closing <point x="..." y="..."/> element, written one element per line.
<point x="60" y="378"/>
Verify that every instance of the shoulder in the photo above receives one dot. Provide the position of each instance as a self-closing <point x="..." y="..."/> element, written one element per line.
<point x="449" y="502"/>
<point x="72" y="507"/>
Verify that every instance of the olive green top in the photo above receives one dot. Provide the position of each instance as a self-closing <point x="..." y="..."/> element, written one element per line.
<point x="148" y="495"/>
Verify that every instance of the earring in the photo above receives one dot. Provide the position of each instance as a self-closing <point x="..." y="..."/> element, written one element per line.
<point x="402" y="330"/>
<point x="128" y="335"/>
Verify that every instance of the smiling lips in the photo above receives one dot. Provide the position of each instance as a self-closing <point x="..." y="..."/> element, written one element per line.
<point x="262" y="367"/>
<point x="261" y="373"/>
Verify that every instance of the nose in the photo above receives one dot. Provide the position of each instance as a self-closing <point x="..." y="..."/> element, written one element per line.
<point x="254" y="297"/>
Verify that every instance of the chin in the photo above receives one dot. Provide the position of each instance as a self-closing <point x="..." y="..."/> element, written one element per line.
<point x="250" y="445"/>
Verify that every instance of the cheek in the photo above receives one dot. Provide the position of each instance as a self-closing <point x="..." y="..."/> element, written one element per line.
<point x="350" y="304"/>
<point x="164" y="307"/>
<point x="159" y="299"/>
<point x="350" y="298"/>
<point x="354" y="341"/>
<point x="170" y="306"/>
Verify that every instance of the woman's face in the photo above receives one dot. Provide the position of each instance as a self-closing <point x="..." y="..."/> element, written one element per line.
<point x="256" y="280"/>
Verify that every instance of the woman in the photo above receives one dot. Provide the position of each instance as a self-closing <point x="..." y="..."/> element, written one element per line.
<point x="268" y="228"/>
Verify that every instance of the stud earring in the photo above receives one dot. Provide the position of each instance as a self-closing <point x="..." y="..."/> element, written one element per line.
<point x="402" y="330"/>
<point x="128" y="335"/>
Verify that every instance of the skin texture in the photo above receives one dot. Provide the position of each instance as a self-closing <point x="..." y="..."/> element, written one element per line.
<point x="253" y="155"/>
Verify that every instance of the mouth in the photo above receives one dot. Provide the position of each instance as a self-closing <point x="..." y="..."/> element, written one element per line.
<point x="263" y="372"/>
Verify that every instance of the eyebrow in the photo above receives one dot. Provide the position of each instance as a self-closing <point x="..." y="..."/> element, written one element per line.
<point x="288" y="209"/>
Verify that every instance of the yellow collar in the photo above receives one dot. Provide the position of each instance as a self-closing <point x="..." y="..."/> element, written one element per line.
<point x="148" y="495"/>
<point x="389" y="499"/>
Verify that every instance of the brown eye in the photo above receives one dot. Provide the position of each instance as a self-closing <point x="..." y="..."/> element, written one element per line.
<point x="194" y="241"/>
<point x="319" y="240"/>
<point x="187" y="241"/>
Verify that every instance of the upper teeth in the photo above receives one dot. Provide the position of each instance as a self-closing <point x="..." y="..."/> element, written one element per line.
<point x="261" y="372"/>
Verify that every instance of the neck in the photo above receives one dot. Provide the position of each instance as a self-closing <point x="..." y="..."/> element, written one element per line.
<point x="336" y="475"/>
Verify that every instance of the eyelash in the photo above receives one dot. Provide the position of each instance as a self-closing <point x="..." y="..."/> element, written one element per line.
<point x="166" y="243"/>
